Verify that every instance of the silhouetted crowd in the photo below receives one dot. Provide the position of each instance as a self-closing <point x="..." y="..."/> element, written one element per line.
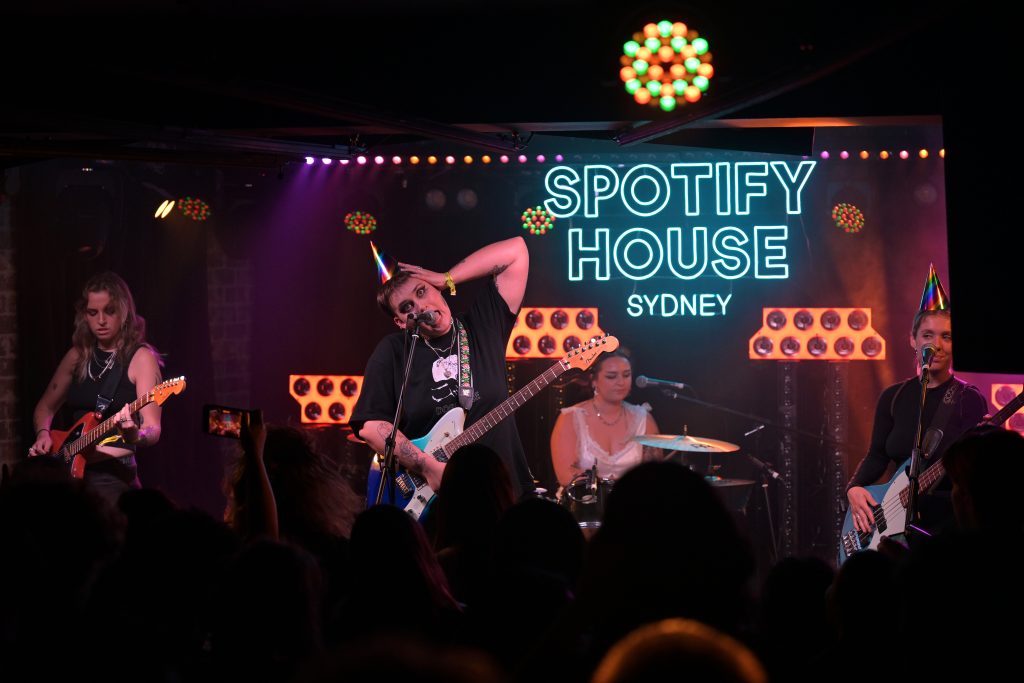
<point x="297" y="583"/>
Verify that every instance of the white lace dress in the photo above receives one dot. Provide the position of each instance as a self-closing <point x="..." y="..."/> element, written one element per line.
<point x="626" y="454"/>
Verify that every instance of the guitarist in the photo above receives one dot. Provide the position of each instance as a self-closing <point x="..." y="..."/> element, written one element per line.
<point x="951" y="405"/>
<point x="108" y="366"/>
<point x="460" y="360"/>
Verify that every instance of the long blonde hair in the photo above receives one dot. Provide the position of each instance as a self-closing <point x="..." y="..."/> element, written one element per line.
<point x="133" y="327"/>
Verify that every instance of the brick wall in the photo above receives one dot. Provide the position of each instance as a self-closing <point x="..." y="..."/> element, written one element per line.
<point x="10" y="442"/>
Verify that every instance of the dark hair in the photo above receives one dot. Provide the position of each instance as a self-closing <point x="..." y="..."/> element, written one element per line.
<point x="921" y="315"/>
<point x="388" y="288"/>
<point x="605" y="357"/>
<point x="985" y="464"/>
<point x="311" y="495"/>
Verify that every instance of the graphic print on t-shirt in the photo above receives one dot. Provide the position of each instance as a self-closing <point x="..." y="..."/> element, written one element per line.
<point x="444" y="372"/>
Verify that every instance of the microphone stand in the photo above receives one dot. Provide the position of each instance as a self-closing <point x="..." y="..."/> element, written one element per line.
<point x="672" y="393"/>
<point x="767" y="473"/>
<point x="915" y="458"/>
<point x="389" y="468"/>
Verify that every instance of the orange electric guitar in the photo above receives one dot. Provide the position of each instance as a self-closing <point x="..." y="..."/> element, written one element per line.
<point x="74" y="444"/>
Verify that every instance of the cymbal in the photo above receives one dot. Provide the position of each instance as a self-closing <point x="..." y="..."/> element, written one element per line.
<point x="671" y="442"/>
<point x="719" y="482"/>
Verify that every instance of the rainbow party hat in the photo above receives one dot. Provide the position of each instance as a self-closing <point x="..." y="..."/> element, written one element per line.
<point x="934" y="297"/>
<point x="386" y="266"/>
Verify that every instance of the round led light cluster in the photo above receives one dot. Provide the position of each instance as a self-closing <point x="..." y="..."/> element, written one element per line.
<point x="665" y="65"/>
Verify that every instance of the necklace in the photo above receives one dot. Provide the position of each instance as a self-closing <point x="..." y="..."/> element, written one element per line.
<point x="104" y="366"/>
<point x="442" y="360"/>
<point x="622" y="411"/>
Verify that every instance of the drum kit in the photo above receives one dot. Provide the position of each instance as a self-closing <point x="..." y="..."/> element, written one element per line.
<point x="585" y="495"/>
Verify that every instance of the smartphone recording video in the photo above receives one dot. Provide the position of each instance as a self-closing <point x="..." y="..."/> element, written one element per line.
<point x="223" y="421"/>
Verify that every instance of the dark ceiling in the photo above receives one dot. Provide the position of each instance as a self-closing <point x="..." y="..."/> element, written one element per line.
<point x="212" y="83"/>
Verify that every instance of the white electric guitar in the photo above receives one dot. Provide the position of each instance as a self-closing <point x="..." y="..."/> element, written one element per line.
<point x="447" y="436"/>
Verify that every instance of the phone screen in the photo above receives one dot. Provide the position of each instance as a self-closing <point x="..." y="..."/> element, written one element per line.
<point x="223" y="421"/>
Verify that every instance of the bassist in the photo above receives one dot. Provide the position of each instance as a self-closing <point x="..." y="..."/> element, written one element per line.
<point x="951" y="406"/>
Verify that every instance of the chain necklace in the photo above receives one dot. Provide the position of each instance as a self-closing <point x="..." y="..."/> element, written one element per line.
<point x="442" y="359"/>
<point x="622" y="411"/>
<point x="107" y="364"/>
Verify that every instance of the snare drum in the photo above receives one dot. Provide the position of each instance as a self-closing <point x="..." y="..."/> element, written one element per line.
<point x="585" y="497"/>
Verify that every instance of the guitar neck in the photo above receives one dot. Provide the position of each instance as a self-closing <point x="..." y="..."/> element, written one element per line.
<point x="932" y="475"/>
<point x="505" y="408"/>
<point x="1006" y="411"/>
<point x="97" y="432"/>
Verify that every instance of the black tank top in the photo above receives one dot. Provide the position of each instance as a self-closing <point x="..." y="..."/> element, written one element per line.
<point x="81" y="398"/>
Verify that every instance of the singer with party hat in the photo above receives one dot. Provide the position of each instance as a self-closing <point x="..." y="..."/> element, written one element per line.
<point x="951" y="407"/>
<point x="460" y="362"/>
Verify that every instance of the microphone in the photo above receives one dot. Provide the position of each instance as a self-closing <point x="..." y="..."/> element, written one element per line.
<point x="643" y="381"/>
<point x="765" y="467"/>
<point x="927" y="352"/>
<point x="426" y="317"/>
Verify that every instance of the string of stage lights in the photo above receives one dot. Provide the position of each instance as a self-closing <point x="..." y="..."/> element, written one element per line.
<point x="505" y="159"/>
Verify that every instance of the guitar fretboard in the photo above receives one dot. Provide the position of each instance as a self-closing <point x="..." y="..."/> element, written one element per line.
<point x="504" y="409"/>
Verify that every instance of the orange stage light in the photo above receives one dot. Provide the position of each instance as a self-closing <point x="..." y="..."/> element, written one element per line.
<point x="551" y="332"/>
<point x="325" y="399"/>
<point x="817" y="334"/>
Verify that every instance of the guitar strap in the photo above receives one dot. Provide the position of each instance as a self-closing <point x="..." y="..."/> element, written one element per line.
<point x="105" y="395"/>
<point x="465" y="374"/>
<point x="949" y="399"/>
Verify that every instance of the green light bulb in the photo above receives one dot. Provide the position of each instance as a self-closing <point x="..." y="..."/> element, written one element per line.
<point x="654" y="87"/>
<point x="667" y="103"/>
<point x="678" y="43"/>
<point x="700" y="45"/>
<point x="632" y="85"/>
<point x="691" y="64"/>
<point x="652" y="44"/>
<point x="640" y="66"/>
<point x="679" y="85"/>
<point x="701" y="82"/>
<point x="630" y="48"/>
<point x="665" y="28"/>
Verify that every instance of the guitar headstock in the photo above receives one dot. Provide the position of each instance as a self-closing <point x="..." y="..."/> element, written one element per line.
<point x="161" y="392"/>
<point x="583" y="357"/>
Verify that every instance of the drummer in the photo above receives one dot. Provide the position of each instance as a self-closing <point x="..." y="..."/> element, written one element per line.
<point x="601" y="431"/>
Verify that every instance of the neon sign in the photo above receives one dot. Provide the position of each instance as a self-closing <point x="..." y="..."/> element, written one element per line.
<point x="682" y="222"/>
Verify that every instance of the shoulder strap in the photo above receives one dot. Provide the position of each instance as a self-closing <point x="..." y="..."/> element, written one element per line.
<point x="950" y="398"/>
<point x="105" y="395"/>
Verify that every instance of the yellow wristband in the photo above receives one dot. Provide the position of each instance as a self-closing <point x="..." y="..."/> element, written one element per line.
<point x="450" y="282"/>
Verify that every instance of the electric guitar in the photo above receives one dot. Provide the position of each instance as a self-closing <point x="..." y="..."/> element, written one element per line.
<point x="73" y="445"/>
<point x="890" y="516"/>
<point x="447" y="436"/>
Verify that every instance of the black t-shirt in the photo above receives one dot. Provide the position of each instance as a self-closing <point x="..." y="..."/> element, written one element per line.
<point x="431" y="394"/>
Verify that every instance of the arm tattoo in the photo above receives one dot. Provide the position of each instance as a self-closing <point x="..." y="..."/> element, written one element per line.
<point x="406" y="452"/>
<point x="408" y="455"/>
